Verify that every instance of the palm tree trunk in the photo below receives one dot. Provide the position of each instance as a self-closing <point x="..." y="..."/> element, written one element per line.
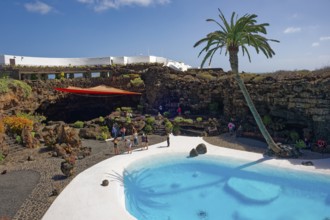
<point x="233" y="58"/>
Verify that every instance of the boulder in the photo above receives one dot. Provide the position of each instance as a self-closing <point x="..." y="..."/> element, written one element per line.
<point x="67" y="168"/>
<point x="193" y="153"/>
<point x="201" y="148"/>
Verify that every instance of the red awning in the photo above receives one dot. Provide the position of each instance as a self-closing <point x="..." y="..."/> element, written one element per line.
<point x="98" y="90"/>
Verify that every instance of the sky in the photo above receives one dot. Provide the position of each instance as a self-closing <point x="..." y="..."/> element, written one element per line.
<point x="166" y="28"/>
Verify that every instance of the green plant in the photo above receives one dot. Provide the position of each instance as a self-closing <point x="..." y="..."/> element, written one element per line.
<point x="176" y="129"/>
<point x="126" y="76"/>
<point x="137" y="82"/>
<point x="300" y="144"/>
<point x="1" y="157"/>
<point x="60" y="75"/>
<point x="78" y="124"/>
<point x="199" y="119"/>
<point x="101" y="119"/>
<point x="103" y="136"/>
<point x="35" y="118"/>
<point x="7" y="84"/>
<point x="150" y="120"/>
<point x="148" y="129"/>
<point x="205" y="75"/>
<point x="128" y="120"/>
<point x="168" y="126"/>
<point x="166" y="114"/>
<point x="104" y="129"/>
<point x="294" y="136"/>
<point x="178" y="119"/>
<point x="126" y="109"/>
<point x="18" y="139"/>
<point x="239" y="34"/>
<point x="188" y="121"/>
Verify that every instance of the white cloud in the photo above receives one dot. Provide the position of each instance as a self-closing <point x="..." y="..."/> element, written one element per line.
<point x="291" y="30"/>
<point x="38" y="7"/>
<point x="315" y="44"/>
<point x="324" y="38"/>
<point x="101" y="5"/>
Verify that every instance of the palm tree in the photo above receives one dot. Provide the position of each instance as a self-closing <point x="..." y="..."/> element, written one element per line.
<point x="240" y="33"/>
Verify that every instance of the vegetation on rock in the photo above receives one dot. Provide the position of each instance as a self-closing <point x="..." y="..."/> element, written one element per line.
<point x="7" y="84"/>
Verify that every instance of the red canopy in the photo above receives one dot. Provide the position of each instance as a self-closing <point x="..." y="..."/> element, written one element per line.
<point x="98" y="90"/>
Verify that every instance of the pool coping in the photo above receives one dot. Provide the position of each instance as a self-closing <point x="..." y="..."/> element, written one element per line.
<point x="85" y="198"/>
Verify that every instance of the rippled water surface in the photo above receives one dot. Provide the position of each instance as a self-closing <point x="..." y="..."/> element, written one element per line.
<point x="213" y="188"/>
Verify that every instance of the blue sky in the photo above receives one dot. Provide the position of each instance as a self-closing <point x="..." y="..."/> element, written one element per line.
<point x="168" y="28"/>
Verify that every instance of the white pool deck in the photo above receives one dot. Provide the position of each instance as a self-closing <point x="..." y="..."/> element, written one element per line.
<point x="86" y="198"/>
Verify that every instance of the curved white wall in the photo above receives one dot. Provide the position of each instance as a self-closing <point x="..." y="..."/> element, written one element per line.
<point x="45" y="61"/>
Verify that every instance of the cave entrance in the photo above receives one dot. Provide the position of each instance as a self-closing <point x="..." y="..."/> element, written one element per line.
<point x="74" y="108"/>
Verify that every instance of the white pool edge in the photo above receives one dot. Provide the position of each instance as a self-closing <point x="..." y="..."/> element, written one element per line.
<point x="85" y="198"/>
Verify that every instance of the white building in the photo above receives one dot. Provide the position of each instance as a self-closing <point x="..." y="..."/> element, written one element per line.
<point x="46" y="61"/>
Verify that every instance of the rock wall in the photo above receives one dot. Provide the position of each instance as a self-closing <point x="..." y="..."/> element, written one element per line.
<point x="301" y="100"/>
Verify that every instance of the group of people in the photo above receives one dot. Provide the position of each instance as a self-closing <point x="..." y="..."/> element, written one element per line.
<point x="128" y="142"/>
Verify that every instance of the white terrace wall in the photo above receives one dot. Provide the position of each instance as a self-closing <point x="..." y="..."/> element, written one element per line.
<point x="43" y="61"/>
<point x="46" y="61"/>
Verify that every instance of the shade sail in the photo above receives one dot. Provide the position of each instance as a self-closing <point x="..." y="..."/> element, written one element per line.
<point x="97" y="90"/>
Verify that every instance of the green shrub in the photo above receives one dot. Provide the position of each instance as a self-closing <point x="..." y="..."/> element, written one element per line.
<point x="188" y="121"/>
<point x="103" y="136"/>
<point x="126" y="109"/>
<point x="101" y="119"/>
<point x="166" y="114"/>
<point x="168" y="126"/>
<point x="176" y="129"/>
<point x="137" y="82"/>
<point x="294" y="136"/>
<point x="35" y="118"/>
<point x="150" y="120"/>
<point x="199" y="119"/>
<point x="104" y="129"/>
<point x="7" y="84"/>
<point x="18" y="139"/>
<point x="78" y="124"/>
<point x="178" y="119"/>
<point x="300" y="144"/>
<point x="205" y="75"/>
<point x="147" y="129"/>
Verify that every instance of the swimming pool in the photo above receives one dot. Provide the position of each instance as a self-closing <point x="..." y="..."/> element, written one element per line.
<point x="214" y="187"/>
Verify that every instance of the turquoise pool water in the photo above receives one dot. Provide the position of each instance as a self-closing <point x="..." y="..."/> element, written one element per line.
<point x="218" y="188"/>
